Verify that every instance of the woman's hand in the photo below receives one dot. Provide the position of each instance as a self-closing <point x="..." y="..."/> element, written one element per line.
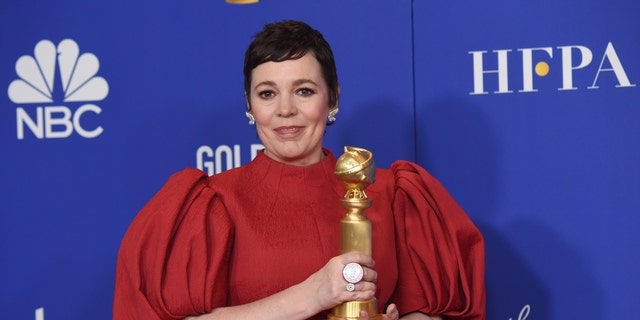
<point x="392" y="314"/>
<point x="330" y="287"/>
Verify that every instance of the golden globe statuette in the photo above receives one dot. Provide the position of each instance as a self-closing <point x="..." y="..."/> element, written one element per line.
<point x="356" y="169"/>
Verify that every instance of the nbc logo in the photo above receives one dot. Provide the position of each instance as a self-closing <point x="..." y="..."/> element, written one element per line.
<point x="37" y="85"/>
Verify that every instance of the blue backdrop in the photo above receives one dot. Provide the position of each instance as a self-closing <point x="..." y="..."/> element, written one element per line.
<point x="527" y="113"/>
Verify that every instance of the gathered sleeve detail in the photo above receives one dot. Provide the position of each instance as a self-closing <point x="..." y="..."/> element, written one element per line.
<point x="173" y="259"/>
<point x="441" y="256"/>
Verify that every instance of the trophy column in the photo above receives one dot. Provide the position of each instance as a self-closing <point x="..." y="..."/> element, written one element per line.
<point x="356" y="170"/>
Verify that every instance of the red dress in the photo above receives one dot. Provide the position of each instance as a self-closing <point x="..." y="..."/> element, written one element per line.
<point x="247" y="233"/>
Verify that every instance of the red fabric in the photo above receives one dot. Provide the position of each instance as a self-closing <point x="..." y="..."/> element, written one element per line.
<point x="443" y="248"/>
<point x="239" y="236"/>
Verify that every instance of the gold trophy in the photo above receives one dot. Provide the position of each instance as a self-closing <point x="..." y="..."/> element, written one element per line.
<point x="356" y="170"/>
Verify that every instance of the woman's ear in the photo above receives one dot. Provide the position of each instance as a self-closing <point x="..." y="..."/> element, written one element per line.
<point x="337" y="98"/>
<point x="246" y="99"/>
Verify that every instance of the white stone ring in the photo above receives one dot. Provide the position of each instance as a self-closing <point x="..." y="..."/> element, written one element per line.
<point x="351" y="287"/>
<point x="353" y="273"/>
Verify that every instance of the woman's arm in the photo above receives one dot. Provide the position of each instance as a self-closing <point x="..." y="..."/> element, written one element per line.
<point x="292" y="303"/>
<point x="321" y="291"/>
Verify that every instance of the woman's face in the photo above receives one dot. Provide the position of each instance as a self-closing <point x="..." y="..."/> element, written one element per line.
<point x="290" y="102"/>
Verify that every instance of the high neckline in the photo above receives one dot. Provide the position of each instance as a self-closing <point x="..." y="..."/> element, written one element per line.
<point x="316" y="174"/>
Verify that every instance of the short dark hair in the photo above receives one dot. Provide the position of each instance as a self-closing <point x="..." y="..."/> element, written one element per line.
<point x="290" y="40"/>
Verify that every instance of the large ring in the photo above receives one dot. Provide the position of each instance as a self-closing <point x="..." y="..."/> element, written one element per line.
<point x="353" y="272"/>
<point x="351" y="287"/>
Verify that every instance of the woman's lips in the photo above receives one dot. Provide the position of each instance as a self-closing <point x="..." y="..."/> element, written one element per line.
<point x="288" y="131"/>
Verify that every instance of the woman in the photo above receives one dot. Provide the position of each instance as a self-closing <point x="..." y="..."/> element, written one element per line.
<point x="261" y="241"/>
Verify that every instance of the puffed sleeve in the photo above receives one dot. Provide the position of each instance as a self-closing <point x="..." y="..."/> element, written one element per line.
<point x="441" y="260"/>
<point x="173" y="259"/>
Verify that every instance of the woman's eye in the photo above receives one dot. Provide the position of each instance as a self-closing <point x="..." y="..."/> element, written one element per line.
<point x="305" y="92"/>
<point x="266" y="94"/>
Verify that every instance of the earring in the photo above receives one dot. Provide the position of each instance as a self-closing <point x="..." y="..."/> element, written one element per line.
<point x="252" y="120"/>
<point x="332" y="115"/>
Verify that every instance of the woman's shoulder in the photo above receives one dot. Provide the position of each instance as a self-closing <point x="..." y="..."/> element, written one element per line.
<point x="398" y="169"/>
<point x="404" y="175"/>
<point x="187" y="174"/>
<point x="248" y="173"/>
<point x="190" y="177"/>
<point x="232" y="180"/>
<point x="403" y="169"/>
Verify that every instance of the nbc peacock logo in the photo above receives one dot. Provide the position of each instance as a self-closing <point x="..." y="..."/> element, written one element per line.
<point x="38" y="88"/>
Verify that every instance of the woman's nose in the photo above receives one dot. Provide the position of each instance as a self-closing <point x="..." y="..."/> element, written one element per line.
<point x="287" y="107"/>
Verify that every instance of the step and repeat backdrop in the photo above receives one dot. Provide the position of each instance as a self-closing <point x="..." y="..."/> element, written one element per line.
<point x="528" y="113"/>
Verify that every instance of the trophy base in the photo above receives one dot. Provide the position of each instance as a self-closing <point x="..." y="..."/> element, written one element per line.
<point x="350" y="310"/>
